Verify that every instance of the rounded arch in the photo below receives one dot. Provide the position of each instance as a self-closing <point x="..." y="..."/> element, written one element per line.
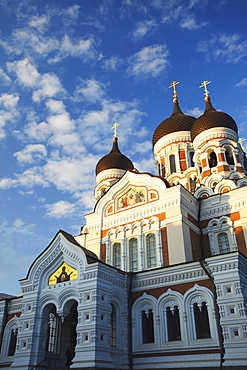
<point x="224" y="185"/>
<point x="144" y="313"/>
<point x="203" y="192"/>
<point x="199" y="305"/>
<point x="10" y="337"/>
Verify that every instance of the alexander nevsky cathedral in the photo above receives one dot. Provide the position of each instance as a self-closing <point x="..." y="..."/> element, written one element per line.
<point x="157" y="277"/>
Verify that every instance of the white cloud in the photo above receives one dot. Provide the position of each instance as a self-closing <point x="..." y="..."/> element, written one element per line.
<point x="31" y="153"/>
<point x="26" y="72"/>
<point x="112" y="63"/>
<point x="39" y="22"/>
<point x="55" y="106"/>
<point x="150" y="61"/>
<point x="241" y="83"/>
<point x="195" y="112"/>
<point x="18" y="226"/>
<point x="9" y="101"/>
<point x="9" y="112"/>
<point x="86" y="199"/>
<point x="145" y="165"/>
<point x="59" y="209"/>
<point x="4" y="78"/>
<point x="37" y="131"/>
<point x="226" y="48"/>
<point x="191" y="24"/>
<point x="90" y="90"/>
<point x="50" y="86"/>
<point x="73" y="11"/>
<point x="143" y="28"/>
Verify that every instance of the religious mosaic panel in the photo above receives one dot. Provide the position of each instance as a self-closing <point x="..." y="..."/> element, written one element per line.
<point x="131" y="197"/>
<point x="63" y="273"/>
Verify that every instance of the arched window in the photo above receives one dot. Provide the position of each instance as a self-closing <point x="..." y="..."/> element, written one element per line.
<point x="223" y="243"/>
<point x="52" y="331"/>
<point x="147" y="326"/>
<point x="172" y="163"/>
<point x="116" y="259"/>
<point x="191" y="159"/>
<point x="201" y="320"/>
<point x="212" y="160"/>
<point x="151" y="251"/>
<point x="173" y="323"/>
<point x="133" y="255"/>
<point x="113" y="325"/>
<point x="229" y="156"/>
<point x="12" y="341"/>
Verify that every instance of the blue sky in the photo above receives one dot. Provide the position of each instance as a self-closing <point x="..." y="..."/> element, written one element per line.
<point x="69" y="70"/>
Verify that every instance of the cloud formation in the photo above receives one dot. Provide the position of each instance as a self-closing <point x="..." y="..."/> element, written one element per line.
<point x="149" y="62"/>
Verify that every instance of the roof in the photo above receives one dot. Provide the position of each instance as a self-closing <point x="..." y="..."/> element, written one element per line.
<point x="178" y="121"/>
<point x="115" y="159"/>
<point x="212" y="118"/>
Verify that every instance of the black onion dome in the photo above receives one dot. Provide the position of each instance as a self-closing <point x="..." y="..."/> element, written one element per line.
<point x="176" y="122"/>
<point x="212" y="118"/>
<point x="115" y="159"/>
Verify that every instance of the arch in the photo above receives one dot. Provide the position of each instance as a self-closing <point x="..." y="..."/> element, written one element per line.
<point x="170" y="305"/>
<point x="198" y="303"/>
<point x="10" y="337"/>
<point x="203" y="192"/>
<point x="212" y="159"/>
<point x="144" y="330"/>
<point x="229" y="155"/>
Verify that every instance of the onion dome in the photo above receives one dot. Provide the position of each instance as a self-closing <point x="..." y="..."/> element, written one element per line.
<point x="115" y="159"/>
<point x="212" y="118"/>
<point x="178" y="121"/>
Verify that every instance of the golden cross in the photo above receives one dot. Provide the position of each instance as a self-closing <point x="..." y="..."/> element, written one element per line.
<point x="173" y="84"/>
<point x="240" y="140"/>
<point x="204" y="84"/>
<point x="115" y="128"/>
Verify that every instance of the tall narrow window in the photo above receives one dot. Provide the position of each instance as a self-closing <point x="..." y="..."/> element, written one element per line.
<point x="147" y="326"/>
<point x="172" y="163"/>
<point x="151" y="251"/>
<point x="223" y="243"/>
<point x="173" y="323"/>
<point x="201" y="321"/>
<point x="12" y="341"/>
<point x="229" y="157"/>
<point x="212" y="160"/>
<point x="117" y="255"/>
<point x="52" y="331"/>
<point x="191" y="159"/>
<point x="133" y="254"/>
<point x="113" y="325"/>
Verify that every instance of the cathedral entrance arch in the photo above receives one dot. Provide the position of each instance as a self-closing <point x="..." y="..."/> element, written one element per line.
<point x="58" y="334"/>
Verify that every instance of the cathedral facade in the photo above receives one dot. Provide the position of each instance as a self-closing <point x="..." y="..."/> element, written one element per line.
<point x="156" y="278"/>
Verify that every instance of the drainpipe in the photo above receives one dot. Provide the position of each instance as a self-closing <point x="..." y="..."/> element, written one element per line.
<point x="130" y="276"/>
<point x="205" y="268"/>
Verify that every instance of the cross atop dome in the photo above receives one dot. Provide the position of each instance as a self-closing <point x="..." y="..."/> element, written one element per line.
<point x="175" y="93"/>
<point x="206" y="92"/>
<point x="114" y="127"/>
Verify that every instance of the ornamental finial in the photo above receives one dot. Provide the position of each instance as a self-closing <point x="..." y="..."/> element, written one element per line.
<point x="114" y="127"/>
<point x="204" y="84"/>
<point x="175" y="93"/>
